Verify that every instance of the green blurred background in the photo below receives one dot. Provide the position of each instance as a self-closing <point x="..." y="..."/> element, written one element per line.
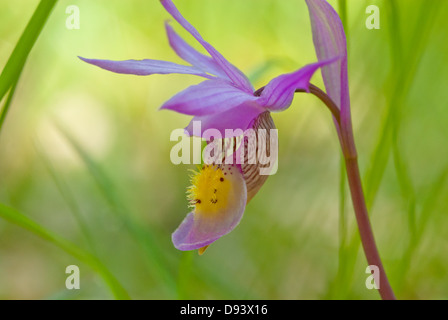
<point x="84" y="153"/>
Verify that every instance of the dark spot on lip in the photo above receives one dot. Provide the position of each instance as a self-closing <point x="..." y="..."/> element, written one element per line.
<point x="221" y="179"/>
<point x="214" y="201"/>
<point x="197" y="201"/>
<point x="214" y="191"/>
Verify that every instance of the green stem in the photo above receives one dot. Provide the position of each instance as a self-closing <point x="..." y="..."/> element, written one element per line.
<point x="343" y="15"/>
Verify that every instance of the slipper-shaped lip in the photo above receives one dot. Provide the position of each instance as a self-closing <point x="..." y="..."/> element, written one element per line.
<point x="200" y="229"/>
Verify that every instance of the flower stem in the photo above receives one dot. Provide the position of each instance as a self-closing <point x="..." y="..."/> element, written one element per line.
<point x="354" y="178"/>
<point x="365" y="228"/>
<point x="358" y="199"/>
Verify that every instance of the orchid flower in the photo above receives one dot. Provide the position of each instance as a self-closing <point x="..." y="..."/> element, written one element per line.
<point x="225" y="100"/>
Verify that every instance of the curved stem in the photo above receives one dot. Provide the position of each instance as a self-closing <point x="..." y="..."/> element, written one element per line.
<point x="358" y="199"/>
<point x="318" y="93"/>
<point x="326" y="100"/>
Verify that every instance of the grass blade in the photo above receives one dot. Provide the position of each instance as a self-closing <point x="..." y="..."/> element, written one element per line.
<point x="13" y="68"/>
<point x="19" y="219"/>
<point x="428" y="207"/>
<point x="399" y="91"/>
<point x="144" y="237"/>
<point x="7" y="104"/>
<point x="69" y="198"/>
<point x="407" y="68"/>
<point x="184" y="276"/>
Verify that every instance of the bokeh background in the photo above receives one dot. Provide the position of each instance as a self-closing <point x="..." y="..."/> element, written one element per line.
<point x="84" y="157"/>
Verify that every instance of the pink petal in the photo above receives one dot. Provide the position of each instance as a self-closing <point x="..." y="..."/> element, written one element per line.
<point x="279" y="92"/>
<point x="145" y="67"/>
<point x="329" y="40"/>
<point x="236" y="76"/>
<point x="208" y="97"/>
<point x="240" y="117"/>
<point x="191" y="55"/>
